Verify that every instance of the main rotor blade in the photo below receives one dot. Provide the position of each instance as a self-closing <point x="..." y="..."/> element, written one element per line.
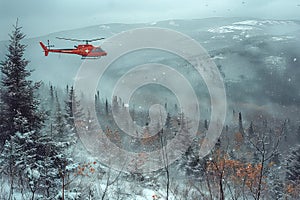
<point x="70" y="39"/>
<point x="78" y="40"/>
<point x="92" y="40"/>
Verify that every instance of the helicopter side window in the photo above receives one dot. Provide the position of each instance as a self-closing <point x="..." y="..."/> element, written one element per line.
<point x="97" y="50"/>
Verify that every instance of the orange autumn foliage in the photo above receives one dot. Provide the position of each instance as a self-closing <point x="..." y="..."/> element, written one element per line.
<point x="85" y="169"/>
<point x="113" y="136"/>
<point x="239" y="139"/>
<point x="148" y="139"/>
<point x="292" y="190"/>
<point x="235" y="171"/>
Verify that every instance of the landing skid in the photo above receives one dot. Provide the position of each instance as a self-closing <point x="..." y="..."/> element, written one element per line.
<point x="89" y="58"/>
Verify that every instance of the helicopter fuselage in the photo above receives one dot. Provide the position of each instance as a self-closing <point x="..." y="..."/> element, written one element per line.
<point x="85" y="50"/>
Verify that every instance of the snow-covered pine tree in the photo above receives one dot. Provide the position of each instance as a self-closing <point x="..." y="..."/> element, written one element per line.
<point x="8" y="161"/>
<point x="29" y="154"/>
<point x="50" y="154"/>
<point x="18" y="93"/>
<point x="97" y="103"/>
<point x="64" y="138"/>
<point x="50" y="108"/>
<point x="69" y="106"/>
<point x="30" y="161"/>
<point x="293" y="169"/>
<point x="192" y="164"/>
<point x="61" y="132"/>
<point x="106" y="107"/>
<point x="276" y="186"/>
<point x="2" y="119"/>
<point x="73" y="109"/>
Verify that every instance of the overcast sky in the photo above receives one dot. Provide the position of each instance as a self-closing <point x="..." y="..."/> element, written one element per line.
<point x="40" y="17"/>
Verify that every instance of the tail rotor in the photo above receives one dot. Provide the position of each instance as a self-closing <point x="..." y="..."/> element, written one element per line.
<point x="46" y="50"/>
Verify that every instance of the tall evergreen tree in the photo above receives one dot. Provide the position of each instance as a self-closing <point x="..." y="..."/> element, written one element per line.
<point x="293" y="168"/>
<point x="251" y="130"/>
<point x="241" y="128"/>
<point x="2" y="118"/>
<point x="60" y="126"/>
<point x="106" y="107"/>
<point x="69" y="107"/>
<point x="73" y="109"/>
<point x="21" y="119"/>
<point x="18" y="99"/>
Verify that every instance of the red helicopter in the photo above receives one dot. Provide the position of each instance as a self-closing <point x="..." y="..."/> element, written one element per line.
<point x="85" y="50"/>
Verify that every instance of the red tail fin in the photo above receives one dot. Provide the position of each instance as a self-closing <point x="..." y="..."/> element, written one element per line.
<point x="45" y="49"/>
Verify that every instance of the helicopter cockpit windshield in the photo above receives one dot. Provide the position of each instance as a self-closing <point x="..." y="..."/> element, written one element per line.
<point x="97" y="49"/>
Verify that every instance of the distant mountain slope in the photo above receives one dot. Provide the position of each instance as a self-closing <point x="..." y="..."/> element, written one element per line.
<point x="259" y="59"/>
